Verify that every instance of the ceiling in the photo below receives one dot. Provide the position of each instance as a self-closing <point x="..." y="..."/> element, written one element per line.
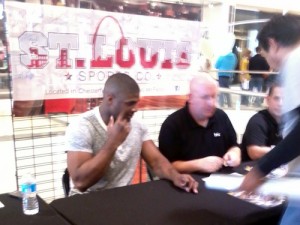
<point x="263" y="5"/>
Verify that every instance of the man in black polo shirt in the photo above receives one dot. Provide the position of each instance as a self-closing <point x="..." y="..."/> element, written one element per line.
<point x="199" y="137"/>
<point x="262" y="132"/>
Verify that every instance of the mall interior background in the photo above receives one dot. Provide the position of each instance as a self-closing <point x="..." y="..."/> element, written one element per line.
<point x="33" y="140"/>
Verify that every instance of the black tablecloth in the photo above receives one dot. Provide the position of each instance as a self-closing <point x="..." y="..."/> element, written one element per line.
<point x="12" y="213"/>
<point x="160" y="203"/>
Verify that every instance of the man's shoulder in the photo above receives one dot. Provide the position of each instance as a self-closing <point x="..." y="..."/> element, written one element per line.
<point x="255" y="57"/>
<point x="220" y="113"/>
<point x="177" y="118"/>
<point x="138" y="126"/>
<point x="255" y="125"/>
<point x="178" y="113"/>
<point x="258" y="118"/>
<point x="88" y="116"/>
<point x="221" y="117"/>
<point x="86" y="119"/>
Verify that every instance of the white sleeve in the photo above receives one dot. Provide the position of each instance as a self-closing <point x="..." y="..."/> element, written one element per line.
<point x="291" y="82"/>
<point x="78" y="136"/>
<point x="146" y="134"/>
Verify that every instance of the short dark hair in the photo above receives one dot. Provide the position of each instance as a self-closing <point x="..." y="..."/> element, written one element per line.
<point x="283" y="29"/>
<point x="273" y="86"/>
<point x="120" y="83"/>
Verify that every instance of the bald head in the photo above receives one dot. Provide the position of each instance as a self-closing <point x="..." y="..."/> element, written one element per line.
<point x="120" y="84"/>
<point x="202" y="80"/>
<point x="202" y="98"/>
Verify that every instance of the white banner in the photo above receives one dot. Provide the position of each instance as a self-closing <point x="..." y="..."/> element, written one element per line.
<point x="60" y="52"/>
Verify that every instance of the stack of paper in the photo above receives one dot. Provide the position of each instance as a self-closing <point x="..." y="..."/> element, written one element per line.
<point x="287" y="186"/>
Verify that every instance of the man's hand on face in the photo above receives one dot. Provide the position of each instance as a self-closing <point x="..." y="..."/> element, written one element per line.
<point x="118" y="130"/>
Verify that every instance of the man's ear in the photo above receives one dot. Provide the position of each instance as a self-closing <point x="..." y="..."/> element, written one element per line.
<point x="274" y="45"/>
<point x="110" y="98"/>
<point x="267" y="99"/>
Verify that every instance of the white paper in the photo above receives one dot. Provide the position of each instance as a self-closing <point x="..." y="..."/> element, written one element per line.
<point x="226" y="182"/>
<point x="287" y="186"/>
<point x="1" y="205"/>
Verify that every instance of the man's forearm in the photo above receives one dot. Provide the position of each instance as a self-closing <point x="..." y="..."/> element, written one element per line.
<point x="164" y="169"/>
<point x="256" y="152"/>
<point x="91" y="170"/>
<point x="186" y="166"/>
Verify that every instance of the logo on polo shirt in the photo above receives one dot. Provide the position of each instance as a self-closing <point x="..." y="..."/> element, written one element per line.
<point x="217" y="134"/>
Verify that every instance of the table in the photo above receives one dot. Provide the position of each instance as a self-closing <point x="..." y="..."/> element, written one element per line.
<point x="160" y="203"/>
<point x="12" y="213"/>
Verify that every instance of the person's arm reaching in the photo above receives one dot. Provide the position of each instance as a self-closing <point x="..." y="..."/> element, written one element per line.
<point x="163" y="169"/>
<point x="287" y="150"/>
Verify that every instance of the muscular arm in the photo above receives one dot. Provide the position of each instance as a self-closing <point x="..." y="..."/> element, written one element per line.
<point x="158" y="163"/>
<point x="163" y="169"/>
<point x="85" y="168"/>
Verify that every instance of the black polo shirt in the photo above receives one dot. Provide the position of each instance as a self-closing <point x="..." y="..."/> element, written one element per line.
<point x="261" y="130"/>
<point x="181" y="138"/>
<point x="259" y="63"/>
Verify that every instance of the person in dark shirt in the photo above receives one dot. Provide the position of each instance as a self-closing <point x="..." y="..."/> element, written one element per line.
<point x="280" y="42"/>
<point x="257" y="63"/>
<point x="199" y="137"/>
<point x="263" y="131"/>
